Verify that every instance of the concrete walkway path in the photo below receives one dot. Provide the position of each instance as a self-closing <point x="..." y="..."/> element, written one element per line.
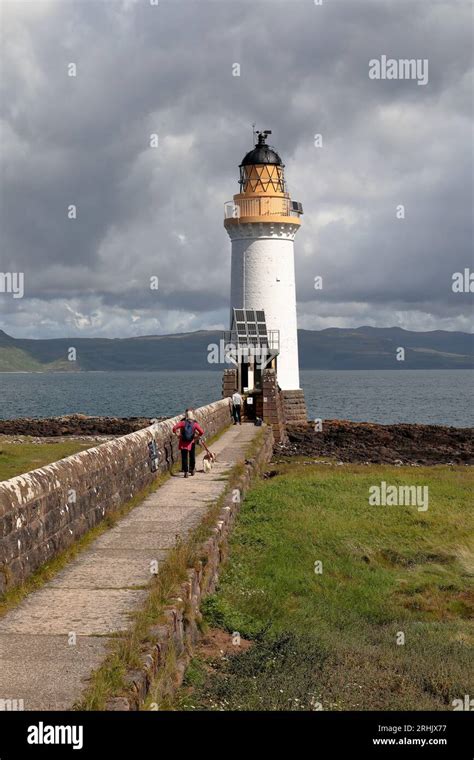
<point x="92" y="598"/>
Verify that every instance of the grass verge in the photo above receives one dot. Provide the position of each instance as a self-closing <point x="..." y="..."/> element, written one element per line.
<point x="18" y="458"/>
<point x="384" y="623"/>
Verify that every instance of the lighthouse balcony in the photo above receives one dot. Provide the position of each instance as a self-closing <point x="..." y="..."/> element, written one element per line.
<point x="274" y="206"/>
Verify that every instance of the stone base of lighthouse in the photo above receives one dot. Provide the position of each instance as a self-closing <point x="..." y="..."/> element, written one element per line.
<point x="276" y="407"/>
<point x="294" y="407"/>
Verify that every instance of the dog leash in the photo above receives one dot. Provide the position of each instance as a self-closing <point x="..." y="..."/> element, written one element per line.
<point x="205" y="447"/>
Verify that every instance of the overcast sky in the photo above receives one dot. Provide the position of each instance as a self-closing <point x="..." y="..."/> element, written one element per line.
<point x="144" y="211"/>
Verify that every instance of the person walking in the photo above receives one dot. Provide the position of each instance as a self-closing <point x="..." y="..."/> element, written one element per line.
<point x="188" y="431"/>
<point x="237" y="407"/>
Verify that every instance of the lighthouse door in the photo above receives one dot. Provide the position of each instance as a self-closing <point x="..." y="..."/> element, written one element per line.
<point x="244" y="376"/>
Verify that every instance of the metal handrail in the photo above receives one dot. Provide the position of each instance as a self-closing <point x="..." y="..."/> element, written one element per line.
<point x="273" y="340"/>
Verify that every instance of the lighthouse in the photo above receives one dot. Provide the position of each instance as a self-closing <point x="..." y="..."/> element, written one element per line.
<point x="262" y="221"/>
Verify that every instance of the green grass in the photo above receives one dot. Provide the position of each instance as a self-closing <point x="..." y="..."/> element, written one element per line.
<point x="17" y="458"/>
<point x="14" y="359"/>
<point x="330" y="639"/>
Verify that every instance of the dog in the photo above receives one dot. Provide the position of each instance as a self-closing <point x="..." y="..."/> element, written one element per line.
<point x="208" y="461"/>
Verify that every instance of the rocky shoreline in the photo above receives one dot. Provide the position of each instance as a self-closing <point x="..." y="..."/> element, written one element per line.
<point x="74" y="425"/>
<point x="341" y="439"/>
<point x="381" y="444"/>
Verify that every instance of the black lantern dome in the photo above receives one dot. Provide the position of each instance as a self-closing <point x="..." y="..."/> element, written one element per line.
<point x="262" y="153"/>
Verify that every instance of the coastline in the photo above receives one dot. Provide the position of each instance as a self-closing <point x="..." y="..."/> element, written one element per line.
<point x="343" y="440"/>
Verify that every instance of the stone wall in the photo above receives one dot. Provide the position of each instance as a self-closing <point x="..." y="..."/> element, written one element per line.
<point x="273" y="413"/>
<point x="46" y="510"/>
<point x="229" y="382"/>
<point x="294" y="407"/>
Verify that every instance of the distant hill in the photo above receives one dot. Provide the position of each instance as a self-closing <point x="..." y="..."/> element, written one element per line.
<point x="375" y="348"/>
<point x="333" y="348"/>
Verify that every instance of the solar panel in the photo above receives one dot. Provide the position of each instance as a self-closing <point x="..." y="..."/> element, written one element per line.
<point x="249" y="332"/>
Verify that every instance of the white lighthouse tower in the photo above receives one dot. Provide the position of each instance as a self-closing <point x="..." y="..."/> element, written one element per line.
<point x="262" y="222"/>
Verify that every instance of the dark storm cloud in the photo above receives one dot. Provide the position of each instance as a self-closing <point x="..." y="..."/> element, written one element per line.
<point x="145" y="212"/>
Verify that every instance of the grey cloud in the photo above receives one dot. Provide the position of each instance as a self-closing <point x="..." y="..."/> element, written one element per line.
<point x="145" y="211"/>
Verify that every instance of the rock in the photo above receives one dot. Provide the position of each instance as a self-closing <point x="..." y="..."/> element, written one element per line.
<point x="74" y="425"/>
<point x="366" y="442"/>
